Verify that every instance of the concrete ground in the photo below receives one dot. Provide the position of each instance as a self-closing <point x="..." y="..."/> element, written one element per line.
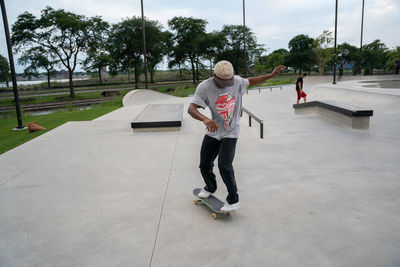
<point x="313" y="193"/>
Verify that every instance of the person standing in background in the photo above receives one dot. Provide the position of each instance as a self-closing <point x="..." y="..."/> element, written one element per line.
<point x="299" y="88"/>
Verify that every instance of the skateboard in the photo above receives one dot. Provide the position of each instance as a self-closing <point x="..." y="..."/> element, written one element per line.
<point x="212" y="202"/>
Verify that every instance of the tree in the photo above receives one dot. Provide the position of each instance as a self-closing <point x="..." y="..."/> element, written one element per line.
<point x="97" y="55"/>
<point x="392" y="56"/>
<point x="301" y="54"/>
<point x="158" y="44"/>
<point x="97" y="61"/>
<point x="4" y="70"/>
<point x="233" y="49"/>
<point x="59" y="32"/>
<point x="210" y="45"/>
<point x="274" y="59"/>
<point x="322" y="51"/>
<point x="374" y="55"/>
<point x="187" y="37"/>
<point x="261" y="64"/>
<point x="37" y="58"/>
<point x="347" y="53"/>
<point x="281" y="51"/>
<point x="269" y="62"/>
<point x="176" y="58"/>
<point x="125" y="46"/>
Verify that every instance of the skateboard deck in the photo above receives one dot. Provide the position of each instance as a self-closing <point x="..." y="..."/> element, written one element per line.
<point x="211" y="202"/>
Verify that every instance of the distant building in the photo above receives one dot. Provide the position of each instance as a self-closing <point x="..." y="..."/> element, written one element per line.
<point x="62" y="74"/>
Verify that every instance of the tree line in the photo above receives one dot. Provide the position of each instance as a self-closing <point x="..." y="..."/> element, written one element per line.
<point x="59" y="37"/>
<point x="308" y="54"/>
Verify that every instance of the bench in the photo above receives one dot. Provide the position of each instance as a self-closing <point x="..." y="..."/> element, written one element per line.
<point x="343" y="114"/>
<point x="110" y="93"/>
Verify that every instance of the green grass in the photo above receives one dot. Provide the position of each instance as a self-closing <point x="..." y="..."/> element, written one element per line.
<point x="183" y="91"/>
<point x="10" y="139"/>
<point x="53" y="98"/>
<point x="277" y="81"/>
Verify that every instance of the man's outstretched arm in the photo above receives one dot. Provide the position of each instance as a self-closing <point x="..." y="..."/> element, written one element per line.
<point x="260" y="79"/>
<point x="210" y="124"/>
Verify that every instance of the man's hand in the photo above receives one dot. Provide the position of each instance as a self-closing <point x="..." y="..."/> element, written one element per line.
<point x="193" y="111"/>
<point x="260" y="79"/>
<point x="278" y="70"/>
<point x="210" y="124"/>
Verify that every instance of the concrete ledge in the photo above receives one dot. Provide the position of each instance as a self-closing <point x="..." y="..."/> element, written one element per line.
<point x="340" y="113"/>
<point x="156" y="117"/>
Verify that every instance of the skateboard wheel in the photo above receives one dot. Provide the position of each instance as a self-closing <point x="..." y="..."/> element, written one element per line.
<point x="214" y="215"/>
<point x="229" y="214"/>
<point x="196" y="201"/>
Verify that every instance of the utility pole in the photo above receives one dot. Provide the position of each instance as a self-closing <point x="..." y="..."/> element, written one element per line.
<point x="11" y="59"/>
<point x="244" y="38"/>
<point x="361" y="39"/>
<point x="334" y="52"/>
<point x="144" y="46"/>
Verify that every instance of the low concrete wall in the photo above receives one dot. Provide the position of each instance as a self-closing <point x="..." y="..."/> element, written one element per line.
<point x="344" y="93"/>
<point x="159" y="117"/>
<point x="354" y="122"/>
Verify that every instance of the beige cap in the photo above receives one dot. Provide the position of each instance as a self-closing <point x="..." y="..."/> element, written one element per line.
<point x="224" y="72"/>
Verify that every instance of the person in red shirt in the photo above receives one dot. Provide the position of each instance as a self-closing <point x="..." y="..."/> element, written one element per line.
<point x="299" y="88"/>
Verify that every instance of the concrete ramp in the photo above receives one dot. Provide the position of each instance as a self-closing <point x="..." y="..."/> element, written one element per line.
<point x="144" y="97"/>
<point x="357" y="93"/>
<point x="159" y="117"/>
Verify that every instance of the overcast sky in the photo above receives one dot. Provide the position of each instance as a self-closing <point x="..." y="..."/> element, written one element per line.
<point x="274" y="22"/>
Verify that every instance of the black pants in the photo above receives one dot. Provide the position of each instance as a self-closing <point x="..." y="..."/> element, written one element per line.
<point x="225" y="150"/>
<point x="397" y="70"/>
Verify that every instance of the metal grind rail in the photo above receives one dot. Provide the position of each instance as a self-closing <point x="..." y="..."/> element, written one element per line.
<point x="270" y="87"/>
<point x="263" y="88"/>
<point x="55" y="105"/>
<point x="251" y="115"/>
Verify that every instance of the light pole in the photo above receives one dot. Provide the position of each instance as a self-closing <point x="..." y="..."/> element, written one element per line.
<point x="11" y="59"/>
<point x="361" y="39"/>
<point x="334" y="52"/>
<point x="244" y="38"/>
<point x="144" y="46"/>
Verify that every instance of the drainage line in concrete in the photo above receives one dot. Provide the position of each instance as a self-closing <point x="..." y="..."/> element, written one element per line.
<point x="165" y="196"/>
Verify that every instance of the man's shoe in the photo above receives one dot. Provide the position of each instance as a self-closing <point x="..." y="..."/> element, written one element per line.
<point x="230" y="207"/>
<point x="204" y="194"/>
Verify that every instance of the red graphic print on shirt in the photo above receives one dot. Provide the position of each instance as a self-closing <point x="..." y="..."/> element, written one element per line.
<point x="225" y="107"/>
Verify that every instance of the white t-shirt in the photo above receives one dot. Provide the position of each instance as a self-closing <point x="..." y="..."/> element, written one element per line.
<point x="225" y="105"/>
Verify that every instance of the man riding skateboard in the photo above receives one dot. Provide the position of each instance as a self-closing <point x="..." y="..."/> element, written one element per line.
<point x="222" y="94"/>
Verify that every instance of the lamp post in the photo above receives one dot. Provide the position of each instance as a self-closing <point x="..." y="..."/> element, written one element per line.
<point x="361" y="39"/>
<point x="334" y="52"/>
<point x="144" y="46"/>
<point x="11" y="59"/>
<point x="244" y="38"/>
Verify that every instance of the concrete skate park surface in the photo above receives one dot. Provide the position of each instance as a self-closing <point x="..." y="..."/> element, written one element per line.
<point x="313" y="193"/>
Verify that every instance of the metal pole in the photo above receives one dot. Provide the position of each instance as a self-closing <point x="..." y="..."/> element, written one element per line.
<point x="244" y="38"/>
<point x="11" y="59"/>
<point x="144" y="46"/>
<point x="361" y="39"/>
<point x="334" y="52"/>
